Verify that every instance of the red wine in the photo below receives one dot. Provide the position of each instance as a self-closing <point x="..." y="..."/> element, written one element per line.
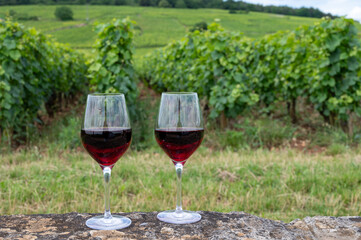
<point x="106" y="145"/>
<point x="179" y="143"/>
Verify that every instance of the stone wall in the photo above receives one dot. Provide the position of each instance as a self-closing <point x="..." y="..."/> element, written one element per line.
<point x="214" y="225"/>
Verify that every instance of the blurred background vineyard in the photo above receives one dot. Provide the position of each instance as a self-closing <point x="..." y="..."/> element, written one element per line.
<point x="280" y="95"/>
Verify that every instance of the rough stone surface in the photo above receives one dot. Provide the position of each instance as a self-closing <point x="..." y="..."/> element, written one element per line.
<point x="214" y="225"/>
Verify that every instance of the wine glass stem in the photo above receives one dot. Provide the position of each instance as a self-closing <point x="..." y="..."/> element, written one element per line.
<point x="107" y="172"/>
<point x="179" y="170"/>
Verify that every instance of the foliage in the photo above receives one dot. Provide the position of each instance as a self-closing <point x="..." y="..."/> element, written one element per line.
<point x="200" y="26"/>
<point x="180" y="4"/>
<point x="26" y="17"/>
<point x="319" y="62"/>
<point x="164" y="4"/>
<point x="12" y="13"/>
<point x="64" y="13"/>
<point x="112" y="70"/>
<point x="33" y="70"/>
<point x="21" y="16"/>
<point x="207" y="63"/>
<point x="335" y="84"/>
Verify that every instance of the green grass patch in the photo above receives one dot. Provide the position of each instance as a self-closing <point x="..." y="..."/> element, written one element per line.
<point x="252" y="133"/>
<point x="281" y="185"/>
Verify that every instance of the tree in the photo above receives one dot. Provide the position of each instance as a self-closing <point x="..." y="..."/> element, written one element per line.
<point x="180" y="4"/>
<point x="120" y="2"/>
<point x="108" y="2"/>
<point x="194" y="3"/>
<point x="64" y="13"/>
<point x="131" y="3"/>
<point x="213" y="3"/>
<point x="172" y="2"/>
<point x="164" y="4"/>
<point x="148" y="3"/>
<point x="144" y="3"/>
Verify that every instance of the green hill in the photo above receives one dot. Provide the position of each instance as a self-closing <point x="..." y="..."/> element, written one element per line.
<point x="157" y="26"/>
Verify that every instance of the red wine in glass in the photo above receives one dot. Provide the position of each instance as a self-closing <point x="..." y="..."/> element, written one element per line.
<point x="106" y="135"/>
<point x="179" y="143"/>
<point x="179" y="132"/>
<point x="106" y="145"/>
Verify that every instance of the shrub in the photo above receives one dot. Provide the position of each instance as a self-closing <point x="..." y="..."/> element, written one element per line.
<point x="112" y="70"/>
<point x="319" y="63"/>
<point x="21" y="16"/>
<point x="164" y="4"/>
<point x="180" y="4"/>
<point x="206" y="62"/>
<point x="64" y="13"/>
<point x="33" y="68"/>
<point x="26" y="17"/>
<point x="201" y="26"/>
<point x="334" y="86"/>
<point x="12" y="13"/>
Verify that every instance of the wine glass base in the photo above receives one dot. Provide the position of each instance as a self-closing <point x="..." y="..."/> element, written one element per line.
<point x="183" y="217"/>
<point x="114" y="223"/>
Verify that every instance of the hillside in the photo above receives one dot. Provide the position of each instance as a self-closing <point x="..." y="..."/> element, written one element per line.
<point x="157" y="26"/>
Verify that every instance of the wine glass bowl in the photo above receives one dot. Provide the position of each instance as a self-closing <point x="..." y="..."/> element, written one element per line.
<point x="106" y="145"/>
<point x="179" y="143"/>
<point x="106" y="135"/>
<point x="179" y="132"/>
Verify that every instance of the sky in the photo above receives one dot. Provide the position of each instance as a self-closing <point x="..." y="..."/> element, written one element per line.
<point x="348" y="8"/>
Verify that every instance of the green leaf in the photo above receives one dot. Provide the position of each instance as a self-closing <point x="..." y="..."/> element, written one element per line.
<point x="9" y="43"/>
<point x="335" y="57"/>
<point x="333" y="41"/>
<point x="9" y="67"/>
<point x="335" y="69"/>
<point x="324" y="63"/>
<point x="322" y="97"/>
<point x="353" y="63"/>
<point x="15" y="55"/>
<point x="216" y="55"/>
<point x="95" y="67"/>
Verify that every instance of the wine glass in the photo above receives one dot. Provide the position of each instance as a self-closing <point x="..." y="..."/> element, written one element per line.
<point x="106" y="135"/>
<point x="179" y="132"/>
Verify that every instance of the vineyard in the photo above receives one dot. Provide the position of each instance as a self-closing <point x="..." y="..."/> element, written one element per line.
<point x="318" y="63"/>
<point x="259" y="96"/>
<point x="38" y="74"/>
<point x="35" y="71"/>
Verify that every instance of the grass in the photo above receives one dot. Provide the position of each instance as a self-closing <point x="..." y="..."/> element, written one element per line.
<point x="283" y="185"/>
<point x="158" y="26"/>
